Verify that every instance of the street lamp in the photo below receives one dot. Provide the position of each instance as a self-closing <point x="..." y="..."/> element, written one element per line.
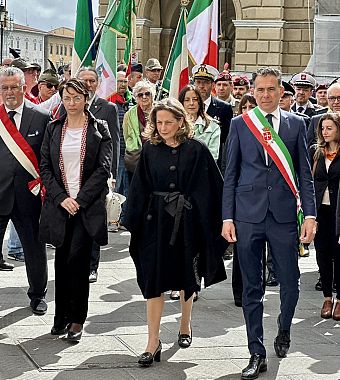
<point x="3" y="21"/>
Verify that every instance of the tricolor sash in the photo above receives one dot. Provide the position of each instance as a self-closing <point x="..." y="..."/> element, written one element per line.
<point x="277" y="150"/>
<point x="22" y="151"/>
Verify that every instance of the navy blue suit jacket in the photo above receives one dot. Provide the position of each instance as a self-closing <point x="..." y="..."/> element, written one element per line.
<point x="251" y="188"/>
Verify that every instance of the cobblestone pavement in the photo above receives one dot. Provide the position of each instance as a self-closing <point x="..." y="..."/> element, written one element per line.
<point x="115" y="331"/>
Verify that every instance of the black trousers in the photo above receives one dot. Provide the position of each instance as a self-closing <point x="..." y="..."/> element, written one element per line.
<point x="327" y="250"/>
<point x="72" y="269"/>
<point x="95" y="257"/>
<point x="27" y="226"/>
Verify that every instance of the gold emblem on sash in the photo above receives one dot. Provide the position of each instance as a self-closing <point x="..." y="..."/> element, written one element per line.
<point x="267" y="135"/>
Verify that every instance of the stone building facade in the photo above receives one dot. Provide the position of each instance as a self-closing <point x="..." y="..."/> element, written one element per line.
<point x="58" y="46"/>
<point x="253" y="32"/>
<point x="29" y="43"/>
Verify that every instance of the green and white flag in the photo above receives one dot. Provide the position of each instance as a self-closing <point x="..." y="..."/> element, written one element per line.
<point x="123" y="23"/>
<point x="106" y="63"/>
<point x="83" y="35"/>
<point x="176" y="75"/>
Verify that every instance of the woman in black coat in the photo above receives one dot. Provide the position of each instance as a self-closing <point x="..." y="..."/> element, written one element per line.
<point x="75" y="164"/>
<point x="174" y="216"/>
<point x="326" y="171"/>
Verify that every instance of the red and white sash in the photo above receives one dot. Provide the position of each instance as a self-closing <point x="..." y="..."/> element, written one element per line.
<point x="22" y="151"/>
<point x="277" y="150"/>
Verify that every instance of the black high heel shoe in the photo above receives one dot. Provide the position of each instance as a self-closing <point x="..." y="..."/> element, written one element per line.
<point x="147" y="358"/>
<point x="74" y="337"/>
<point x="185" y="340"/>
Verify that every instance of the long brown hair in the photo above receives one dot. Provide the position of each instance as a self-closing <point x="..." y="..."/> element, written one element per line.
<point x="321" y="143"/>
<point x="176" y="108"/>
<point x="200" y="111"/>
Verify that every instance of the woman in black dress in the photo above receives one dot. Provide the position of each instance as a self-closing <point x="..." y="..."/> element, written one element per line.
<point x="174" y="216"/>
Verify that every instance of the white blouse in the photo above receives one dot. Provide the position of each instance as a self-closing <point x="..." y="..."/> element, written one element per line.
<point x="71" y="158"/>
<point x="325" y="199"/>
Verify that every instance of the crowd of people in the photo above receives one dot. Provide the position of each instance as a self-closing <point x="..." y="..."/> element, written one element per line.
<point x="275" y="143"/>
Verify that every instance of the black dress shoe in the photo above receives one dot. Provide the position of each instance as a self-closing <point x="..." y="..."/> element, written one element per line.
<point x="147" y="358"/>
<point x="184" y="340"/>
<point x="4" y="265"/>
<point x="238" y="301"/>
<point x="257" y="364"/>
<point x="318" y="285"/>
<point x="282" y="341"/>
<point x="271" y="279"/>
<point x="38" y="306"/>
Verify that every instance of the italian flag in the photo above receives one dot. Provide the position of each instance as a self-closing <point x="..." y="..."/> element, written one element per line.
<point x="83" y="35"/>
<point x="106" y="63"/>
<point x="202" y="30"/>
<point x="176" y="75"/>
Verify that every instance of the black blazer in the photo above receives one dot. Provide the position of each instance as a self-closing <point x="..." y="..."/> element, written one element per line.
<point x="324" y="179"/>
<point x="93" y="189"/>
<point x="13" y="177"/>
<point x="223" y="113"/>
<point x="312" y="130"/>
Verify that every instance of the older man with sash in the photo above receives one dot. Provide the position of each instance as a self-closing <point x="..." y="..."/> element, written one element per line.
<point x="268" y="197"/>
<point x="22" y="130"/>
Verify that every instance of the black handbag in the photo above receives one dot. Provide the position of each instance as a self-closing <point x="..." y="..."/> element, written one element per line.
<point x="131" y="159"/>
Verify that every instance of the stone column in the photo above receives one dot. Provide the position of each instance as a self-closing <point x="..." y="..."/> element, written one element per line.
<point x="143" y="39"/>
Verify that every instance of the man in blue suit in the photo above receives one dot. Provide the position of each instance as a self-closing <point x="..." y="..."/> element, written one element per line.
<point x="258" y="206"/>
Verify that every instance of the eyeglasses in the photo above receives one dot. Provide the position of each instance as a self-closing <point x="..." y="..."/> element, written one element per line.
<point x="50" y="85"/>
<point x="142" y="94"/>
<point x="334" y="98"/>
<point x="76" y="99"/>
<point x="11" y="88"/>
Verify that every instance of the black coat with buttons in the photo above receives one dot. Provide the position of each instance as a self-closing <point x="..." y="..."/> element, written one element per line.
<point x="174" y="216"/>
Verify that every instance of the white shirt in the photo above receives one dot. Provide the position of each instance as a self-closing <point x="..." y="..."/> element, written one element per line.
<point x="71" y="157"/>
<point x="207" y="103"/>
<point x="325" y="198"/>
<point x="18" y="115"/>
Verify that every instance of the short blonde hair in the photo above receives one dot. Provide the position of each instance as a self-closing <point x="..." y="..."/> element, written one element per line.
<point x="176" y="108"/>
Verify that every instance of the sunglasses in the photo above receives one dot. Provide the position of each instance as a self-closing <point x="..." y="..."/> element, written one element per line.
<point x="50" y="85"/>
<point x="142" y="94"/>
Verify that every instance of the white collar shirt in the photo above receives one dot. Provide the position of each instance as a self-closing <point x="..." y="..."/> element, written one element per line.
<point x="17" y="117"/>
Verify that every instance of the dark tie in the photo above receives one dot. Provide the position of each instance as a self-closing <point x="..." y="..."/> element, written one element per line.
<point x="11" y="116"/>
<point x="269" y="117"/>
<point x="300" y="109"/>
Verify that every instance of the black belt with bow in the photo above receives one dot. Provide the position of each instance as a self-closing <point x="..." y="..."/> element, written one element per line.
<point x="175" y="203"/>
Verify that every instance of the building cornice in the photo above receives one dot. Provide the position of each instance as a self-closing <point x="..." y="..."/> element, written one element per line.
<point x="258" y="23"/>
<point x="143" y="22"/>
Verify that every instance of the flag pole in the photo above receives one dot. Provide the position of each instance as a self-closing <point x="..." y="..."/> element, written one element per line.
<point x="172" y="47"/>
<point x="101" y="26"/>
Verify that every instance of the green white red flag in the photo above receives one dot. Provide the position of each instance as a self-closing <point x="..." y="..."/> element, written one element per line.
<point x="202" y="32"/>
<point x="123" y="23"/>
<point x="83" y="35"/>
<point x="106" y="63"/>
<point x="176" y="75"/>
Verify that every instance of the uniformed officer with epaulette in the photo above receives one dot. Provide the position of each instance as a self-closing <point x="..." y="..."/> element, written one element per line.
<point x="304" y="85"/>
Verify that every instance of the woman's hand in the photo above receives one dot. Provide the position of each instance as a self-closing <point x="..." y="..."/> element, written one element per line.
<point x="339" y="240"/>
<point x="70" y="205"/>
